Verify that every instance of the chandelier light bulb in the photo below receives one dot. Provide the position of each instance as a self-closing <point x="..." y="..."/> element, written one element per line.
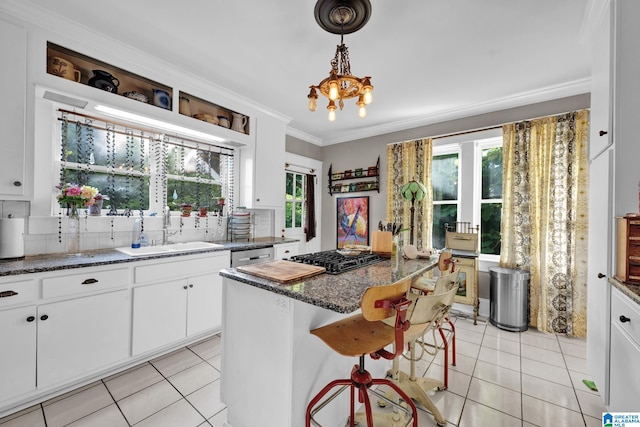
<point x="362" y="109"/>
<point x="313" y="106"/>
<point x="367" y="90"/>
<point x="333" y="90"/>
<point x="332" y="111"/>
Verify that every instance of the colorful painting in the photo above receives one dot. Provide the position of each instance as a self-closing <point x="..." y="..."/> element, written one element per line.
<point x="352" y="221"/>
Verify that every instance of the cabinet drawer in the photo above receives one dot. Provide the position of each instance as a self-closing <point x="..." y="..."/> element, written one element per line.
<point x="93" y="281"/>
<point x="621" y="305"/>
<point x="17" y="292"/>
<point x="168" y="270"/>
<point x="464" y="262"/>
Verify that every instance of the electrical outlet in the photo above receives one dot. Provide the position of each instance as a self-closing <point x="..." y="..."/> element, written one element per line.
<point x="282" y="303"/>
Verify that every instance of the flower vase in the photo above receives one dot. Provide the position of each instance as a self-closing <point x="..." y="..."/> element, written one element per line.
<point x="73" y="246"/>
<point x="96" y="208"/>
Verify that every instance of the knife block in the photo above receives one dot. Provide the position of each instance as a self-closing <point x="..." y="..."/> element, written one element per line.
<point x="381" y="243"/>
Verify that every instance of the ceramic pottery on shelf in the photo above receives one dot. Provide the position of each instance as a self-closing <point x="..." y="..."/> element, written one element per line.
<point x="61" y="67"/>
<point x="105" y="81"/>
<point x="161" y="99"/>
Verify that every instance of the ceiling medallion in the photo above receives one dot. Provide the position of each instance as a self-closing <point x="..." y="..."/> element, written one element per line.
<point x="342" y="17"/>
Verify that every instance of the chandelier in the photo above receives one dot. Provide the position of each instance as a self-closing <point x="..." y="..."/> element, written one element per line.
<point x="342" y="17"/>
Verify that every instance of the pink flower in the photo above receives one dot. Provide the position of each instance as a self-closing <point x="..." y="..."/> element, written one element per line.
<point x="74" y="191"/>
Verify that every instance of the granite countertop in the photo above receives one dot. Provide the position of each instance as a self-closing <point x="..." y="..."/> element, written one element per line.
<point x="52" y="262"/>
<point x="632" y="291"/>
<point x="340" y="292"/>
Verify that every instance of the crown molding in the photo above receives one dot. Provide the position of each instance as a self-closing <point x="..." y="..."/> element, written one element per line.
<point x="576" y="87"/>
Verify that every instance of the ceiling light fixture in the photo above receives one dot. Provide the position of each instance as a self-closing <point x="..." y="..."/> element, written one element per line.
<point x="342" y="17"/>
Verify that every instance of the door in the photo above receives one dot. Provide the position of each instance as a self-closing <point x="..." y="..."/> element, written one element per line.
<point x="204" y="303"/>
<point x="80" y="335"/>
<point x="599" y="270"/>
<point x="159" y="315"/>
<point x="17" y="351"/>
<point x="13" y="86"/>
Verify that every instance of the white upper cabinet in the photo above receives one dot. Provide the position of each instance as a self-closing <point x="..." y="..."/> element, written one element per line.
<point x="601" y="132"/>
<point x="262" y="169"/>
<point x="13" y="84"/>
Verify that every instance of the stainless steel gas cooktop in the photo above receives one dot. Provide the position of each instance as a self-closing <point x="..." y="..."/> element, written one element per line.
<point x="336" y="263"/>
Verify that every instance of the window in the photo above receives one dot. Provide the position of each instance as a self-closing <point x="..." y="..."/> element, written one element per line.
<point x="467" y="186"/>
<point x="295" y="200"/>
<point x="445" y="178"/>
<point x="141" y="171"/>
<point x="491" y="200"/>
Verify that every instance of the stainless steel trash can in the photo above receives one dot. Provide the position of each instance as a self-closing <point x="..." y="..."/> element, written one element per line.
<point x="509" y="298"/>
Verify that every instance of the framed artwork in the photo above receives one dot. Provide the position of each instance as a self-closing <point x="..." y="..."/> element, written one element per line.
<point x="352" y="221"/>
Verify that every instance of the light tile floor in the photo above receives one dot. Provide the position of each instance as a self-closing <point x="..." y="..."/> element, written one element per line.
<point x="501" y="379"/>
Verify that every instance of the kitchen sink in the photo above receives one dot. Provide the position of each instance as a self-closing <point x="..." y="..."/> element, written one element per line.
<point x="170" y="248"/>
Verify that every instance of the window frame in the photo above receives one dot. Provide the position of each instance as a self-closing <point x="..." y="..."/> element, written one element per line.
<point x="154" y="170"/>
<point x="302" y="201"/>
<point x="470" y="146"/>
<point x="479" y="146"/>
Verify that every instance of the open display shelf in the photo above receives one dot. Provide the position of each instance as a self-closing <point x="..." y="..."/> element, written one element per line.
<point x="198" y="108"/>
<point x="137" y="87"/>
<point x="354" y="180"/>
<point x="74" y="66"/>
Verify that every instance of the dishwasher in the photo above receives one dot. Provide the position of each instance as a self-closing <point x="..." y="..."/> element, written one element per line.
<point x="251" y="256"/>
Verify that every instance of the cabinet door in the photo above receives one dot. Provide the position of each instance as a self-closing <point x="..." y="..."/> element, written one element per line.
<point x="81" y="335"/>
<point x="599" y="269"/>
<point x="159" y="315"/>
<point x="204" y="303"/>
<point x="13" y="86"/>
<point x="263" y="174"/>
<point x="17" y="351"/>
<point x="600" y="116"/>
<point x="625" y="373"/>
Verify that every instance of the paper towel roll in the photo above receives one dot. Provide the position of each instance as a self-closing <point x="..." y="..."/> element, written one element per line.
<point x="11" y="239"/>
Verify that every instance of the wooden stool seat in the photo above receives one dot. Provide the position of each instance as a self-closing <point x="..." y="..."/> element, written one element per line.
<point x="355" y="336"/>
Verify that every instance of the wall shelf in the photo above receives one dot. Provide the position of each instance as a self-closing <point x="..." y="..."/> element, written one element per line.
<point x="209" y="112"/>
<point x="355" y="180"/>
<point x="137" y="87"/>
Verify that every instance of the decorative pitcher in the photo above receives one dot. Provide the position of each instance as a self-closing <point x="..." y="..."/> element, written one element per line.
<point x="105" y="81"/>
<point x="239" y="122"/>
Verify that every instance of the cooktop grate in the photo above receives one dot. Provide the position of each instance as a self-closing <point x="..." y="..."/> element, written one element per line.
<point x="336" y="263"/>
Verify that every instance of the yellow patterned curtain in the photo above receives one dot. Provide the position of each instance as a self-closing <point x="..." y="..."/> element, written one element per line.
<point x="407" y="161"/>
<point x="544" y="222"/>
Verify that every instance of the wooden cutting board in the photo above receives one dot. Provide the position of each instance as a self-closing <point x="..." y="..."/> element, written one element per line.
<point x="282" y="271"/>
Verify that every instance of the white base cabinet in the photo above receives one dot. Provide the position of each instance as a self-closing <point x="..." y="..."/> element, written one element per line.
<point x="624" y="380"/>
<point x="165" y="311"/>
<point x="17" y="351"/>
<point x="170" y="311"/>
<point x="78" y="336"/>
<point x="63" y="329"/>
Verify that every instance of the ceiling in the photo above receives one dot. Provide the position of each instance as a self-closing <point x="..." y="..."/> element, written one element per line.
<point x="430" y="60"/>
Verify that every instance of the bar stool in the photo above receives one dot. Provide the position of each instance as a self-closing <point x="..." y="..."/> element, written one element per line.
<point x="448" y="332"/>
<point x="445" y="264"/>
<point x="425" y="314"/>
<point x="363" y="334"/>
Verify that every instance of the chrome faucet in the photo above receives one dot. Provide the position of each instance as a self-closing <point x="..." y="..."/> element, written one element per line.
<point x="166" y="223"/>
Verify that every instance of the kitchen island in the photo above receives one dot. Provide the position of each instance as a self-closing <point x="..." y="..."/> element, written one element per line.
<point x="271" y="365"/>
